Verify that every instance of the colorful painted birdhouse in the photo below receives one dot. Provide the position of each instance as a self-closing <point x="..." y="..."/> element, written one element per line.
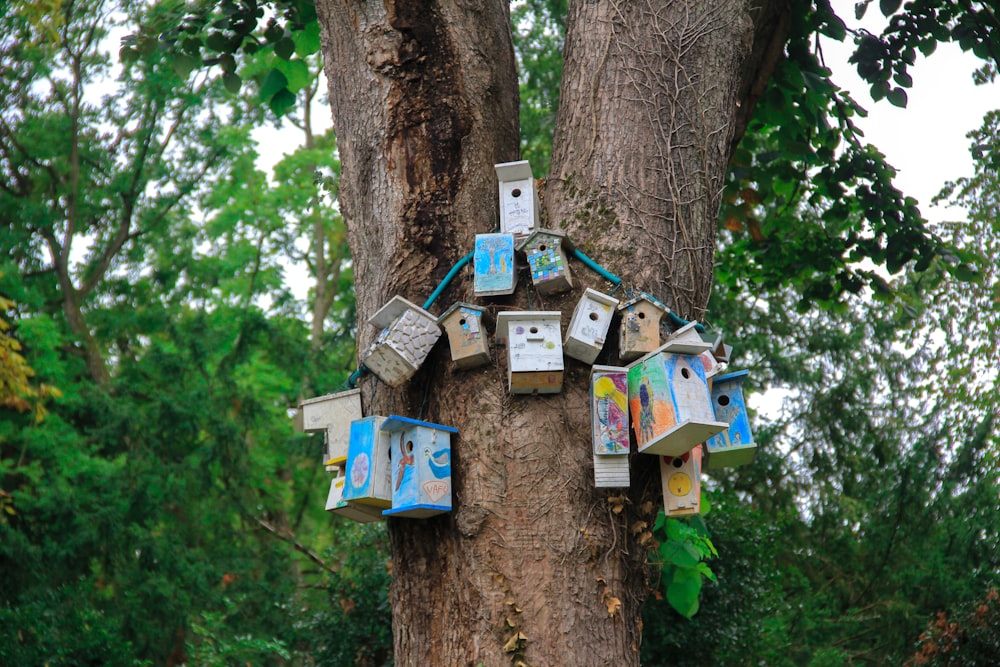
<point x="546" y="251"/>
<point x="589" y="325"/>
<point x="468" y="339"/>
<point x="408" y="334"/>
<point x="609" y="425"/>
<point x="681" y="480"/>
<point x="534" y="351"/>
<point x="493" y="265"/>
<point x="519" y="207"/>
<point x="670" y="403"/>
<point x="639" y="331"/>
<point x="421" y="467"/>
<point x="368" y="465"/>
<point x="733" y="446"/>
<point x="332" y="415"/>
<point x="335" y="503"/>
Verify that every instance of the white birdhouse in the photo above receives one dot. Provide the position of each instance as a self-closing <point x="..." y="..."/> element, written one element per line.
<point x="639" y="331"/>
<point x="609" y="425"/>
<point x="686" y="340"/>
<point x="681" y="480"/>
<point x="534" y="351"/>
<point x="670" y="403"/>
<point x="546" y="251"/>
<point x="335" y="503"/>
<point x="368" y="465"/>
<point x="519" y="207"/>
<point x="408" y="334"/>
<point x="589" y="326"/>
<point x="332" y="415"/>
<point x="421" y="467"/>
<point x="468" y="339"/>
<point x="493" y="265"/>
<point x="735" y="445"/>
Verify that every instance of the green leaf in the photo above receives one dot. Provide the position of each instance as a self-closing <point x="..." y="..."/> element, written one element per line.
<point x="296" y="73"/>
<point x="232" y="82"/>
<point x="683" y="592"/>
<point x="307" y="40"/>
<point x="273" y="82"/>
<point x="281" y="102"/>
<point x="184" y="64"/>
<point x="284" y="48"/>
<point x="897" y="97"/>
<point x="889" y="7"/>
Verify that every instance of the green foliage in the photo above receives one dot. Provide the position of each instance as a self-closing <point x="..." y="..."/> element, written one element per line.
<point x="683" y="546"/>
<point x="973" y="638"/>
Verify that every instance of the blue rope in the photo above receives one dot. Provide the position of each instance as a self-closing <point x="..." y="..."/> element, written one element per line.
<point x="447" y="279"/>
<point x="615" y="280"/>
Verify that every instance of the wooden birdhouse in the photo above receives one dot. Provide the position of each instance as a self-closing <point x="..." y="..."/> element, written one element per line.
<point x="421" y="467"/>
<point x="719" y="349"/>
<point x="686" y="340"/>
<point x="408" y="334"/>
<point x="332" y="415"/>
<point x="681" y="480"/>
<point x="609" y="425"/>
<point x="639" y="331"/>
<point x="468" y="338"/>
<point x="546" y="251"/>
<point x="534" y="351"/>
<point x="733" y="446"/>
<point x="493" y="265"/>
<point x="589" y="325"/>
<point x="335" y="503"/>
<point x="519" y="207"/>
<point x="670" y="403"/>
<point x="368" y="465"/>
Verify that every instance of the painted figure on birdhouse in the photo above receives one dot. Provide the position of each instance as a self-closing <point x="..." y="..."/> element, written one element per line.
<point x="610" y="393"/>
<point x="493" y="265"/>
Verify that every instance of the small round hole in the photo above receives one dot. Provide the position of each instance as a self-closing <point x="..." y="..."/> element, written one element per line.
<point x="593" y="316"/>
<point x="723" y="400"/>
<point x="677" y="462"/>
<point x="462" y="321"/>
<point x="516" y="192"/>
<point x="542" y="247"/>
<point x="533" y="330"/>
<point x="642" y="316"/>
<point x="685" y="373"/>
<point x="409" y="446"/>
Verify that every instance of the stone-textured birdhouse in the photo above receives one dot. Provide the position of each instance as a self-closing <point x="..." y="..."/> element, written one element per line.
<point x="534" y="351"/>
<point x="670" y="403"/>
<point x="468" y="338"/>
<point x="493" y="265"/>
<point x="332" y="415"/>
<point x="421" y="467"/>
<point x="335" y="503"/>
<point x="681" y="480"/>
<point x="408" y="334"/>
<point x="589" y="325"/>
<point x="368" y="465"/>
<point x="545" y="250"/>
<point x="734" y="446"/>
<point x="639" y="331"/>
<point x="519" y="209"/>
<point x="609" y="425"/>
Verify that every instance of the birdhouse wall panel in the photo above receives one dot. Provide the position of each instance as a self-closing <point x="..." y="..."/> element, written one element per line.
<point x="611" y="471"/>
<point x="494" y="270"/>
<point x="387" y="364"/>
<point x="639" y="330"/>
<point x="535" y="382"/>
<point x="681" y="480"/>
<point x="335" y="504"/>
<point x="339" y="409"/>
<point x="609" y="409"/>
<point x="534" y="350"/>
<point x="588" y="328"/>
<point x="519" y="206"/>
<point x="670" y="403"/>
<point x="468" y="339"/>
<point x="735" y="445"/>
<point x="368" y="466"/>
<point x="421" y="467"/>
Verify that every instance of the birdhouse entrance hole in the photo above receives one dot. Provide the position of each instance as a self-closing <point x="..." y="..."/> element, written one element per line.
<point x="533" y="330"/>
<point x="516" y="192"/>
<point x="723" y="399"/>
<point x="593" y="316"/>
<point x="409" y="446"/>
<point x="677" y="462"/>
<point x="642" y="316"/>
<point x="542" y="248"/>
<point x="685" y="373"/>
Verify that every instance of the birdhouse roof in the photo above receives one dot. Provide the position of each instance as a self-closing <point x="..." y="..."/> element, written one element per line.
<point x="329" y="397"/>
<point x="484" y="313"/>
<point x="729" y="377"/>
<point x="391" y="311"/>
<point x="644" y="296"/>
<point x="513" y="171"/>
<point x="686" y="340"/>
<point x="506" y="317"/>
<point x="396" y="423"/>
<point x="600" y="297"/>
<point x="551" y="233"/>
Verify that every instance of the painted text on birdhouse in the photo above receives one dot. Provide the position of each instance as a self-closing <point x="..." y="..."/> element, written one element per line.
<point x="421" y="467"/>
<point x="408" y="334"/>
<point x="589" y="325"/>
<point x="534" y="351"/>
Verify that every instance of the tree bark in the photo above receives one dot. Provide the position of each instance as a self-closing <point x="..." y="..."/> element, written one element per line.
<point x="534" y="565"/>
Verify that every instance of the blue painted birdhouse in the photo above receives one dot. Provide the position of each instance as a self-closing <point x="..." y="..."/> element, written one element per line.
<point x="407" y="337"/>
<point x="588" y="328"/>
<point x="332" y="415"/>
<point x="546" y="251"/>
<point x="734" y="446"/>
<point x="494" y="265"/>
<point x="519" y="209"/>
<point x="335" y="503"/>
<point x="368" y="466"/>
<point x="421" y="467"/>
<point x="609" y="425"/>
<point x="680" y="477"/>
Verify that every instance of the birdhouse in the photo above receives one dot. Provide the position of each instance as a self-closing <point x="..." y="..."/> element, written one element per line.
<point x="686" y="340"/>
<point x="589" y="325"/>
<point x="670" y="403"/>
<point x="368" y="466"/>
<point x="733" y="446"/>
<point x="719" y="349"/>
<point x="332" y="415"/>
<point x="493" y="265"/>
<point x="546" y="252"/>
<point x="534" y="351"/>
<point x="408" y="334"/>
<point x="639" y="332"/>
<point x="519" y="207"/>
<point x="421" y="467"/>
<point x="609" y="425"/>
<point x="681" y="480"/>
<point x="468" y="339"/>
<point x="335" y="503"/>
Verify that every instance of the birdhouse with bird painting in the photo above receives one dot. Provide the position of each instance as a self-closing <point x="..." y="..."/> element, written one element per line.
<point x="519" y="209"/>
<point x="335" y="503"/>
<point x="670" y="403"/>
<point x="407" y="337"/>
<point x="609" y="425"/>
<point x="734" y="446"/>
<point x="331" y="415"/>
<point x="534" y="350"/>
<point x="589" y="325"/>
<point x="493" y="268"/>
<point x="468" y="339"/>
<point x="639" y="330"/>
<point x="680" y="477"/>
<point x="368" y="466"/>
<point x="545" y="250"/>
<point x="421" y="467"/>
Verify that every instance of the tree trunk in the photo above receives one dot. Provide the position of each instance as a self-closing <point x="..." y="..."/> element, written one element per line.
<point x="533" y="564"/>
